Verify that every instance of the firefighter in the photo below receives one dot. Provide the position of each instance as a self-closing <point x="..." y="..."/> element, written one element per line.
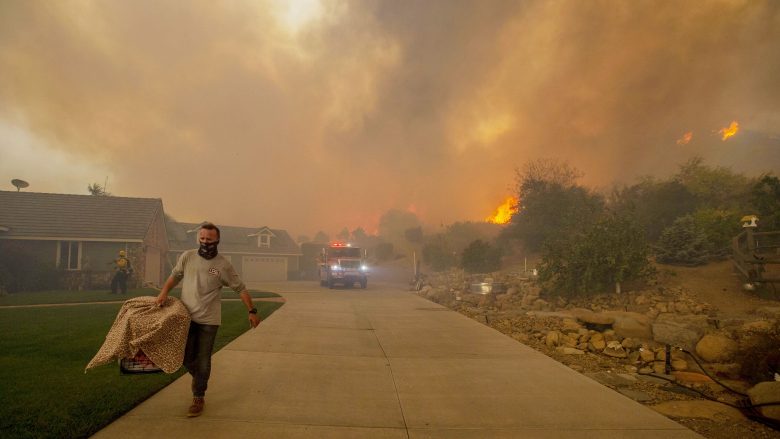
<point x="122" y="270"/>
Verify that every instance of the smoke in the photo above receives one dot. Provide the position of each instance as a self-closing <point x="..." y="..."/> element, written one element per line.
<point x="324" y="115"/>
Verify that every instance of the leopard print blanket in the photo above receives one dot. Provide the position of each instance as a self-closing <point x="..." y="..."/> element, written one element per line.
<point x="160" y="332"/>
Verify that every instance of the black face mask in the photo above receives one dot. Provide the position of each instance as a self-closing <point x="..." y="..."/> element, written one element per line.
<point x="208" y="250"/>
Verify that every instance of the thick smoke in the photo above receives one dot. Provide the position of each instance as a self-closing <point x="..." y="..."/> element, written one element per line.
<point x="226" y="112"/>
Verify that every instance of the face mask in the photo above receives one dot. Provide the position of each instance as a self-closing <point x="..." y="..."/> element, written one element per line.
<point x="208" y="250"/>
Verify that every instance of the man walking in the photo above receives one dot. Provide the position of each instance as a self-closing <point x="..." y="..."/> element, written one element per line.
<point x="204" y="272"/>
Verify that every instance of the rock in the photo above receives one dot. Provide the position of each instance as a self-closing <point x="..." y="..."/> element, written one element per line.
<point x="633" y="358"/>
<point x="615" y="349"/>
<point x="629" y="343"/>
<point x="631" y="325"/>
<point x="570" y="326"/>
<point x="679" y="364"/>
<point x="612" y="379"/>
<point x="632" y="369"/>
<point x="569" y="350"/>
<point x="729" y="370"/>
<point x="768" y="391"/>
<point x="762" y="326"/>
<point x="682" y="331"/>
<point x="697" y="409"/>
<point x="553" y="339"/>
<point x="692" y="377"/>
<point x="646" y="355"/>
<point x="511" y="291"/>
<point x="609" y="335"/>
<point x="589" y="317"/>
<point x="645" y="370"/>
<point x="714" y="348"/>
<point x="598" y="345"/>
<point x="770" y="312"/>
<point x="659" y="367"/>
<point x="681" y="308"/>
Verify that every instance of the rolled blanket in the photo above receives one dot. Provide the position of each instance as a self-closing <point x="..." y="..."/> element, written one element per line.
<point x="160" y="332"/>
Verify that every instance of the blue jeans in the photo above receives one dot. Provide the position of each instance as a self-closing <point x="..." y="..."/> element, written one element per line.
<point x="197" y="355"/>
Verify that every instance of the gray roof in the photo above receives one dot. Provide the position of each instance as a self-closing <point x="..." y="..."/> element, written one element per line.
<point x="83" y="217"/>
<point x="232" y="239"/>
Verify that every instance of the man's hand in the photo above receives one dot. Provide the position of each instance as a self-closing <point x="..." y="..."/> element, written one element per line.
<point x="161" y="298"/>
<point x="254" y="320"/>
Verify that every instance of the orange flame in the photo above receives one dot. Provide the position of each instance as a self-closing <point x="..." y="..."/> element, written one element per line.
<point x="503" y="213"/>
<point x="685" y="139"/>
<point x="730" y="131"/>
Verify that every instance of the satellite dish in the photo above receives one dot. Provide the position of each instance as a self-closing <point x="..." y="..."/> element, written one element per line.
<point x="20" y="184"/>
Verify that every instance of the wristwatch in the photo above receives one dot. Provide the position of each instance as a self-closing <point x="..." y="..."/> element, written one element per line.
<point x="253" y="311"/>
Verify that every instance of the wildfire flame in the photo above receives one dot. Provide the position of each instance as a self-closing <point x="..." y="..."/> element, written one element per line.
<point x="730" y="131"/>
<point x="503" y="213"/>
<point x="685" y="139"/>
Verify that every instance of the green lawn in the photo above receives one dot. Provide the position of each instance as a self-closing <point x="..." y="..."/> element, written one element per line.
<point x="61" y="296"/>
<point x="45" y="392"/>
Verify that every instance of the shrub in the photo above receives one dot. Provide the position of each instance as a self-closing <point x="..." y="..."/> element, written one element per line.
<point x="610" y="252"/>
<point x="683" y="243"/>
<point x="481" y="257"/>
<point x="22" y="271"/>
<point x="438" y="255"/>
<point x="384" y="251"/>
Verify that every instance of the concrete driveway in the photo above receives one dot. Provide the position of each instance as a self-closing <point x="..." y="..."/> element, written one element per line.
<point x="385" y="363"/>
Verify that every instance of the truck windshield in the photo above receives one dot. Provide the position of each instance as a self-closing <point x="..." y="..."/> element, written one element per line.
<point x="345" y="252"/>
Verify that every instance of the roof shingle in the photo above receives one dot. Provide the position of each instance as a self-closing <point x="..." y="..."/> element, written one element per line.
<point x="44" y="215"/>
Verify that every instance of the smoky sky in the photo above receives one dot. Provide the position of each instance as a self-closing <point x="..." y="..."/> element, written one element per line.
<point x="236" y="113"/>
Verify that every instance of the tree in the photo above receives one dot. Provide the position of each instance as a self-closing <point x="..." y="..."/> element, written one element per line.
<point x="394" y="223"/>
<point x="97" y="189"/>
<point x="608" y="253"/>
<point x="481" y="257"/>
<point x="414" y="235"/>
<point x="303" y="238"/>
<point x="321" y="237"/>
<point x="683" y="243"/>
<point x="551" y="204"/>
<point x="359" y="235"/>
<point x="654" y="204"/>
<point x="717" y="187"/>
<point x="343" y="234"/>
<point x="438" y="254"/>
<point x="765" y="200"/>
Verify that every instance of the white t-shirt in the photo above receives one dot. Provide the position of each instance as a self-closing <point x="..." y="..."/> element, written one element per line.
<point x="203" y="280"/>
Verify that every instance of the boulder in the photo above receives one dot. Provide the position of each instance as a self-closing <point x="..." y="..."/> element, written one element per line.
<point x="631" y="325"/>
<point x="589" y="317"/>
<point x="768" y="391"/>
<point x="681" y="331"/>
<point x="714" y="348"/>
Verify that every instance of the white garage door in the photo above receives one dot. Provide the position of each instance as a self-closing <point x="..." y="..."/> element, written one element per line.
<point x="264" y="268"/>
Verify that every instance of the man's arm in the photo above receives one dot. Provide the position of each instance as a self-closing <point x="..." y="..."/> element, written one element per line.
<point x="163" y="296"/>
<point x="254" y="319"/>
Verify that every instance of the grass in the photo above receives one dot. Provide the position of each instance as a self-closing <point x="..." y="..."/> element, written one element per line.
<point x="63" y="296"/>
<point x="43" y="351"/>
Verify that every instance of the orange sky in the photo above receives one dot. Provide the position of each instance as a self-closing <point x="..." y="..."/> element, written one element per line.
<point x="317" y="115"/>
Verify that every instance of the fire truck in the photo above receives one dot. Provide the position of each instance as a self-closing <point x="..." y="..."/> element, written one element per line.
<point x="343" y="264"/>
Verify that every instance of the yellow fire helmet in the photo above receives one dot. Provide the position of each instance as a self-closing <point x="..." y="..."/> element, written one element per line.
<point x="121" y="253"/>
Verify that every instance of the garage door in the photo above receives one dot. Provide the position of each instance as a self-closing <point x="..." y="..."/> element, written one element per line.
<point x="264" y="268"/>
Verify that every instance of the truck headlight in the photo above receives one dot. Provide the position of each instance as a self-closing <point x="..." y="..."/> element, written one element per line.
<point x="364" y="267"/>
<point x="335" y="267"/>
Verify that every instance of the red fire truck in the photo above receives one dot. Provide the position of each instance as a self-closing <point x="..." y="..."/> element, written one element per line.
<point x="343" y="264"/>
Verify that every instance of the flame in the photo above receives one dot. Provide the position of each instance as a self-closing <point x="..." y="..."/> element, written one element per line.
<point x="730" y="131"/>
<point x="685" y="139"/>
<point x="503" y="213"/>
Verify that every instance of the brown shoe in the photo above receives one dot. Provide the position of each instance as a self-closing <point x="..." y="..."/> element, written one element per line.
<point x="197" y="407"/>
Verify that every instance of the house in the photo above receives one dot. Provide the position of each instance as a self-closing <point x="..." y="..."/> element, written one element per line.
<point x="82" y="234"/>
<point x="258" y="254"/>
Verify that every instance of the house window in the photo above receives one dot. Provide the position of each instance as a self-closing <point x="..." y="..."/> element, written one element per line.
<point x="264" y="241"/>
<point x="69" y="256"/>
